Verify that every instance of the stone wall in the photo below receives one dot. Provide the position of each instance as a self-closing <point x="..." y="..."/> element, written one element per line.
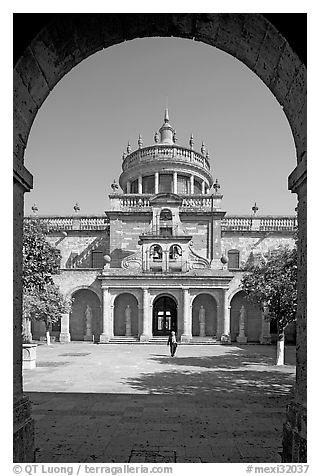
<point x="124" y="236"/>
<point x="247" y="243"/>
<point x="78" y="245"/>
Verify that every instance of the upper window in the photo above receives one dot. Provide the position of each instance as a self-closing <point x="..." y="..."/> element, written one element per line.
<point x="97" y="259"/>
<point x="165" y="183"/>
<point x="134" y="186"/>
<point x="156" y="252"/>
<point x="175" y="252"/>
<point x="148" y="184"/>
<point x="197" y="187"/>
<point x="233" y="259"/>
<point x="166" y="215"/>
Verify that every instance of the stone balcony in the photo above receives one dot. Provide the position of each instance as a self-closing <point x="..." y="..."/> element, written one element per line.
<point x="234" y="223"/>
<point x="165" y="152"/>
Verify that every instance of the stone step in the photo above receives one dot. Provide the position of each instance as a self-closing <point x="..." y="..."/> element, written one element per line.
<point x="124" y="340"/>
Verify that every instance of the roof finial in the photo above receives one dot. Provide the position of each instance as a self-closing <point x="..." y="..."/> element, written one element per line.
<point x="156" y="137"/>
<point x="128" y="148"/>
<point x="140" y="142"/>
<point x="166" y="115"/>
<point x="191" y="141"/>
<point x="203" y="149"/>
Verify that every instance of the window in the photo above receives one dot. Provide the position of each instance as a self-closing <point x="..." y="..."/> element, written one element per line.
<point x="148" y="184"/>
<point x="166" y="215"/>
<point x="156" y="252"/>
<point x="175" y="252"/>
<point x="233" y="259"/>
<point x="165" y="183"/>
<point x="166" y="231"/>
<point x="97" y="259"/>
<point x="134" y="186"/>
<point x="197" y="187"/>
<point x="183" y="185"/>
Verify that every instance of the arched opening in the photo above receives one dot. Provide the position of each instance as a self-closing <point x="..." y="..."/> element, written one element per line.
<point x="204" y="316"/>
<point x="164" y="316"/>
<point x="125" y="322"/>
<point x="251" y="315"/>
<point x="85" y="317"/>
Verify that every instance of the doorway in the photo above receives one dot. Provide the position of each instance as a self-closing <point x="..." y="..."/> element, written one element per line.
<point x="164" y="316"/>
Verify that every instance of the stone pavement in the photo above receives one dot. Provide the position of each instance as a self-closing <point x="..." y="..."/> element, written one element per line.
<point x="134" y="403"/>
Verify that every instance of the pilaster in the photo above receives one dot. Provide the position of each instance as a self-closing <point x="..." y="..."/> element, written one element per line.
<point x="186" y="331"/>
<point x="145" y="336"/>
<point x="106" y="316"/>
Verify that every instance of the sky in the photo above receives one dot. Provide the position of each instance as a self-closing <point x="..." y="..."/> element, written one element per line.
<point x="81" y="131"/>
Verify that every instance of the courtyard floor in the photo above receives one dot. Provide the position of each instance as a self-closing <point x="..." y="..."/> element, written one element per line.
<point x="134" y="403"/>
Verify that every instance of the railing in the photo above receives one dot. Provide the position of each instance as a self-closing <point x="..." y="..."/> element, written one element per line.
<point x="196" y="201"/>
<point x="259" y="223"/>
<point x="136" y="202"/>
<point x="228" y="223"/>
<point x="165" y="152"/>
<point x="130" y="201"/>
<point x="74" y="222"/>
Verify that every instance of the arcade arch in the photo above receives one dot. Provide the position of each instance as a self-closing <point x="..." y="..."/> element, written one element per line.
<point x="125" y="315"/>
<point x="252" y="320"/>
<point x="85" y="322"/>
<point x="204" y="316"/>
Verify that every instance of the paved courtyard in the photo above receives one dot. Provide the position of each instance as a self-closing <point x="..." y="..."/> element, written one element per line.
<point x="134" y="403"/>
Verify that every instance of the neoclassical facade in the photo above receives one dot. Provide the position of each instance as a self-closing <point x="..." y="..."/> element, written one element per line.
<point x="165" y="256"/>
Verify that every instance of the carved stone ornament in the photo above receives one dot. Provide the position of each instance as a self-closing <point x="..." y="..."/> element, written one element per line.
<point x="133" y="261"/>
<point x="196" y="261"/>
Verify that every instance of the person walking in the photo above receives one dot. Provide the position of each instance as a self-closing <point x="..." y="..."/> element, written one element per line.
<point x="172" y="341"/>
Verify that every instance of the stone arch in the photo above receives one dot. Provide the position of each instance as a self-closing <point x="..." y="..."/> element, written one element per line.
<point x="72" y="291"/>
<point x="209" y="305"/>
<point x="252" y="319"/>
<point x="164" y="314"/>
<point x="80" y="329"/>
<point x="69" y="39"/>
<point x="121" y="302"/>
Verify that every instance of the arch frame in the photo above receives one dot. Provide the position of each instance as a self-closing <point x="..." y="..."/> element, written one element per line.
<point x="70" y="38"/>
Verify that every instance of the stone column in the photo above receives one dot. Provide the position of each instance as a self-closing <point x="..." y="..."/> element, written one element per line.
<point x="241" y="338"/>
<point x="265" y="336"/>
<point x="186" y="331"/>
<point x="65" y="331"/>
<point x="225" y="337"/>
<point x="295" y="428"/>
<point x="140" y="317"/>
<point x="23" y="423"/>
<point x="191" y="184"/>
<point x="156" y="182"/>
<point x="175" y="182"/>
<point x="140" y="184"/>
<point x="203" y="187"/>
<point x="106" y="317"/>
<point x="165" y="261"/>
<point x="145" y="336"/>
<point x="128" y="186"/>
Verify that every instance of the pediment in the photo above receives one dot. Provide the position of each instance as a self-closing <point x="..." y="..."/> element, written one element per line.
<point x="166" y="198"/>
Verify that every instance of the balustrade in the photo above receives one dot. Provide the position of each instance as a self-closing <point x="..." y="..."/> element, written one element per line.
<point x="166" y="152"/>
<point x="142" y="202"/>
